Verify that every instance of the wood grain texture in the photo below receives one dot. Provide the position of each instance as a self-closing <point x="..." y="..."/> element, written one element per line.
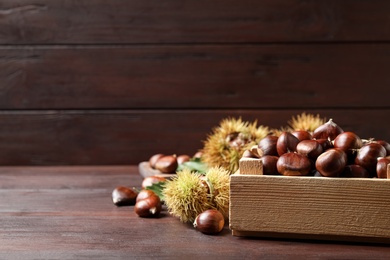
<point x="96" y="21"/>
<point x="354" y="208"/>
<point x="193" y="76"/>
<point x="131" y="136"/>
<point x="67" y="213"/>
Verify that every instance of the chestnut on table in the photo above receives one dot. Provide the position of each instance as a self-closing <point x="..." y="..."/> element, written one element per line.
<point x="68" y="213"/>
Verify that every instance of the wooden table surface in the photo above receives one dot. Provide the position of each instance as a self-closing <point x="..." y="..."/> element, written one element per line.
<point x="67" y="213"/>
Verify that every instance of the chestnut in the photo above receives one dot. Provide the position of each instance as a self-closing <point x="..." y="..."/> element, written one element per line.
<point x="150" y="180"/>
<point x="287" y="142"/>
<point x="153" y="160"/>
<point x="183" y="158"/>
<point x="209" y="222"/>
<point x="385" y="144"/>
<point x="269" y="164"/>
<point x="331" y="163"/>
<point x="294" y="164"/>
<point x="256" y="152"/>
<point x="248" y="154"/>
<point x="167" y="164"/>
<point x="124" y="196"/>
<point x="149" y="207"/>
<point x="330" y="130"/>
<point x="198" y="155"/>
<point x="381" y="167"/>
<point x="367" y="156"/>
<point x="302" y="135"/>
<point x="310" y="148"/>
<point x="347" y="141"/>
<point x="144" y="194"/>
<point x="325" y="143"/>
<point x="355" y="171"/>
<point x="267" y="145"/>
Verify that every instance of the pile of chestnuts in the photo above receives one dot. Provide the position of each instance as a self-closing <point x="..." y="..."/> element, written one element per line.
<point x="146" y="202"/>
<point x="328" y="151"/>
<point x="167" y="163"/>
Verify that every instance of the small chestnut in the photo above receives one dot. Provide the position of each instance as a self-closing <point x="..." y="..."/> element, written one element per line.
<point x="331" y="163"/>
<point x="310" y="148"/>
<point x="248" y="154"/>
<point x="183" y="158"/>
<point x="294" y="164"/>
<point x="198" y="155"/>
<point x="325" y="143"/>
<point x="381" y="167"/>
<point x="167" y="164"/>
<point x="150" y="180"/>
<point x="149" y="207"/>
<point x="330" y="130"/>
<point x="153" y="160"/>
<point x="302" y="135"/>
<point x="355" y="171"/>
<point x="385" y="144"/>
<point x="367" y="156"/>
<point x="144" y="194"/>
<point x="124" y="196"/>
<point x="267" y="145"/>
<point x="269" y="164"/>
<point x="287" y="142"/>
<point x="209" y="222"/>
<point x="347" y="141"/>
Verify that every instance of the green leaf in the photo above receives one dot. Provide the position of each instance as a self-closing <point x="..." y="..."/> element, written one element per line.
<point x="195" y="165"/>
<point x="157" y="188"/>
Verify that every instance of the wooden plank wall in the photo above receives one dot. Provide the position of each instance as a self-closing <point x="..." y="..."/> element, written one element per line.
<point x="113" y="82"/>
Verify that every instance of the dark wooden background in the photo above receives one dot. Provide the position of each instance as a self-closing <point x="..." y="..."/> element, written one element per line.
<point x="113" y="82"/>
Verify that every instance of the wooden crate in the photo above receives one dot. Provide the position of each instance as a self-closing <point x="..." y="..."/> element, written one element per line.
<point x="309" y="207"/>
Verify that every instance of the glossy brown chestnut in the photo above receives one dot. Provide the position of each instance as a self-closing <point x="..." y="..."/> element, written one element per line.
<point x="381" y="167"/>
<point x="294" y="164"/>
<point x="287" y="142"/>
<point x="367" y="156"/>
<point x="167" y="164"/>
<point x="331" y="163"/>
<point x="267" y="145"/>
<point x="124" y="196"/>
<point x="150" y="180"/>
<point x="385" y="144"/>
<point x="269" y="164"/>
<point x="149" y="207"/>
<point x="248" y="154"/>
<point x="310" y="148"/>
<point x="183" y="158"/>
<point x="330" y="130"/>
<point x="153" y="160"/>
<point x="302" y="135"/>
<point x="210" y="222"/>
<point x="347" y="141"/>
<point x="144" y="194"/>
<point x="355" y="171"/>
<point x="325" y="143"/>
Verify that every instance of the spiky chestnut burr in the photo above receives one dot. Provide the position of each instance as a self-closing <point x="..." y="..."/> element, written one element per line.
<point x="226" y="144"/>
<point x="308" y="122"/>
<point x="188" y="193"/>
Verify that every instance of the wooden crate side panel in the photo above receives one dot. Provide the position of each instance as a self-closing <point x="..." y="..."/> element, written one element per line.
<point x="318" y="206"/>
